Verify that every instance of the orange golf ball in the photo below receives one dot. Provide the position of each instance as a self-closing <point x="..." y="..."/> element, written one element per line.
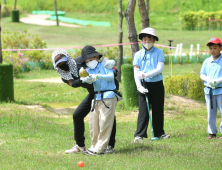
<point x="81" y="164"/>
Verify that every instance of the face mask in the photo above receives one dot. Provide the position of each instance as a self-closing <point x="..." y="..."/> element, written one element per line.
<point x="148" y="45"/>
<point x="64" y="67"/>
<point x="92" y="64"/>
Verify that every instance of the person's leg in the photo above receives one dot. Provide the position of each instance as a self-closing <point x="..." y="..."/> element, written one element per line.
<point x="219" y="105"/>
<point x="94" y="125"/>
<point x="143" y="118"/>
<point x="78" y="119"/>
<point x="156" y="90"/>
<point x="106" y="120"/>
<point x="113" y="134"/>
<point x="212" y="114"/>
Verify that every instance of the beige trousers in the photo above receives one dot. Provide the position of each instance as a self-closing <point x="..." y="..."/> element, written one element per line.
<point x="101" y="123"/>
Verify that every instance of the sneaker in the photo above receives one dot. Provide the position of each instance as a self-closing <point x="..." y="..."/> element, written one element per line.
<point x="76" y="149"/>
<point x="164" y="136"/>
<point x="211" y="136"/>
<point x="109" y="150"/>
<point x="137" y="139"/>
<point x="90" y="152"/>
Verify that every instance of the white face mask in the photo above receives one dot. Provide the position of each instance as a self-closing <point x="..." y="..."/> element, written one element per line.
<point x="148" y="45"/>
<point x="92" y="64"/>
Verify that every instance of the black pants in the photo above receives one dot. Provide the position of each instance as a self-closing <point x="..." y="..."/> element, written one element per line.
<point x="78" y="120"/>
<point x="156" y="101"/>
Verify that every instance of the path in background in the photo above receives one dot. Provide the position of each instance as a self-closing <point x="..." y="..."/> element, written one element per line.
<point x="48" y="80"/>
<point x="41" y="20"/>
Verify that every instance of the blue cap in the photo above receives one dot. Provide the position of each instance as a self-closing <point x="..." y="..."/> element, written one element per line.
<point x="61" y="60"/>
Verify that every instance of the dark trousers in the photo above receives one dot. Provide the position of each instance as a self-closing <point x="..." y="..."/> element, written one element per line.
<point x="156" y="101"/>
<point x="78" y="120"/>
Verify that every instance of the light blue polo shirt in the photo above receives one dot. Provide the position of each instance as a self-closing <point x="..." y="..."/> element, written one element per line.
<point x="212" y="69"/>
<point x="103" y="85"/>
<point x="147" y="61"/>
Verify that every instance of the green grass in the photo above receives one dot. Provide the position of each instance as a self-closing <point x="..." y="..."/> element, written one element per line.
<point x="37" y="139"/>
<point x="62" y="37"/>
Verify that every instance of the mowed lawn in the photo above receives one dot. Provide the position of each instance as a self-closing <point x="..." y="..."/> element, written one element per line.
<point x="36" y="138"/>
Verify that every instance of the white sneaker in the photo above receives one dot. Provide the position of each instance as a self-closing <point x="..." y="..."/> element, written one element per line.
<point x="164" y="136"/>
<point x="137" y="139"/>
<point x="109" y="150"/>
<point x="76" y="149"/>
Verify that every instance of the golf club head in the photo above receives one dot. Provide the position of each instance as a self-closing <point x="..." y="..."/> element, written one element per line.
<point x="83" y="72"/>
<point x="154" y="138"/>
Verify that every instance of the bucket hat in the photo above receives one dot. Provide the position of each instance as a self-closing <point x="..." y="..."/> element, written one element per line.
<point x="89" y="52"/>
<point x="149" y="31"/>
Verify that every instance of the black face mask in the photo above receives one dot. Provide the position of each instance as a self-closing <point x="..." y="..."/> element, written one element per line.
<point x="64" y="67"/>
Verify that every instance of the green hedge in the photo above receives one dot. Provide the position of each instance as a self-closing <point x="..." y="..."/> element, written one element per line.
<point x="190" y="86"/>
<point x="200" y="20"/>
<point x="130" y="95"/>
<point x="15" y="15"/>
<point x="6" y="82"/>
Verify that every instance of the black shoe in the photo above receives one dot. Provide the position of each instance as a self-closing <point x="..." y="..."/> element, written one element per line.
<point x="211" y="136"/>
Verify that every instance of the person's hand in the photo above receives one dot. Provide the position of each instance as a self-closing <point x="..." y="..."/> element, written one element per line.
<point x="141" y="75"/>
<point x="87" y="79"/>
<point x="211" y="83"/>
<point x="142" y="90"/>
<point x="94" y="77"/>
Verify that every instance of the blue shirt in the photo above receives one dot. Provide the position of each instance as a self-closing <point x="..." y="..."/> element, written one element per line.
<point x="147" y="61"/>
<point x="105" y="83"/>
<point x="212" y="69"/>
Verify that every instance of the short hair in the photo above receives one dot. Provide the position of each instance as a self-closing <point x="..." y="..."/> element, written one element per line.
<point x="211" y="44"/>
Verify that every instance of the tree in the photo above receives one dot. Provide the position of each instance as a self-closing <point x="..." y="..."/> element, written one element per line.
<point x="0" y="35"/>
<point x="143" y="13"/>
<point x="132" y="34"/>
<point x="57" y="20"/>
<point x="15" y="5"/>
<point x="120" y="54"/>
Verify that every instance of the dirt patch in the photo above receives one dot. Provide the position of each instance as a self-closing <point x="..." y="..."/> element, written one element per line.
<point x="173" y="105"/>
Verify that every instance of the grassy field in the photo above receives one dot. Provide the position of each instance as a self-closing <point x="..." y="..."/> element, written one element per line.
<point x="36" y="138"/>
<point x="61" y="37"/>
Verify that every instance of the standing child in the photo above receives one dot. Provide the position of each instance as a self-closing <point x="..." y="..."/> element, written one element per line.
<point x="105" y="100"/>
<point x="211" y="74"/>
<point x="148" y="65"/>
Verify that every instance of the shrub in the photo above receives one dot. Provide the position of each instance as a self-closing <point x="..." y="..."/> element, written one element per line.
<point x="6" y="82"/>
<point x="130" y="95"/>
<point x="189" y="85"/>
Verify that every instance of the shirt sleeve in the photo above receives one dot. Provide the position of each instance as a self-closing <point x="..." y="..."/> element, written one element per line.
<point x="161" y="56"/>
<point x="136" y="59"/>
<point x="203" y="68"/>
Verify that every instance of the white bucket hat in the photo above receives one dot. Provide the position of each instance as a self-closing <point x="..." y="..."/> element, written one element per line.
<point x="149" y="31"/>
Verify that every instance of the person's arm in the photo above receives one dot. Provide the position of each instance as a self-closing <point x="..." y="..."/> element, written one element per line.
<point x="139" y="86"/>
<point x="76" y="83"/>
<point x="156" y="71"/>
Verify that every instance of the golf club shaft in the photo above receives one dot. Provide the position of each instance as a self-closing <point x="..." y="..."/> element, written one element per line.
<point x="148" y="108"/>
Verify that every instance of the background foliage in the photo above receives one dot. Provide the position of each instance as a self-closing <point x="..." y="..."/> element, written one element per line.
<point x="185" y="85"/>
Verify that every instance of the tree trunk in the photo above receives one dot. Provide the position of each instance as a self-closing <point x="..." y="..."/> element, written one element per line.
<point x="132" y="34"/>
<point x="143" y="13"/>
<point x="15" y="5"/>
<point x="120" y="54"/>
<point x="57" y="19"/>
<point x="147" y="9"/>
<point x="4" y="1"/>
<point x="0" y="34"/>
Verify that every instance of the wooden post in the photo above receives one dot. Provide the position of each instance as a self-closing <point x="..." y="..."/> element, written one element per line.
<point x="120" y="54"/>
<point x="143" y="13"/>
<point x="57" y="20"/>
<point x="132" y="34"/>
